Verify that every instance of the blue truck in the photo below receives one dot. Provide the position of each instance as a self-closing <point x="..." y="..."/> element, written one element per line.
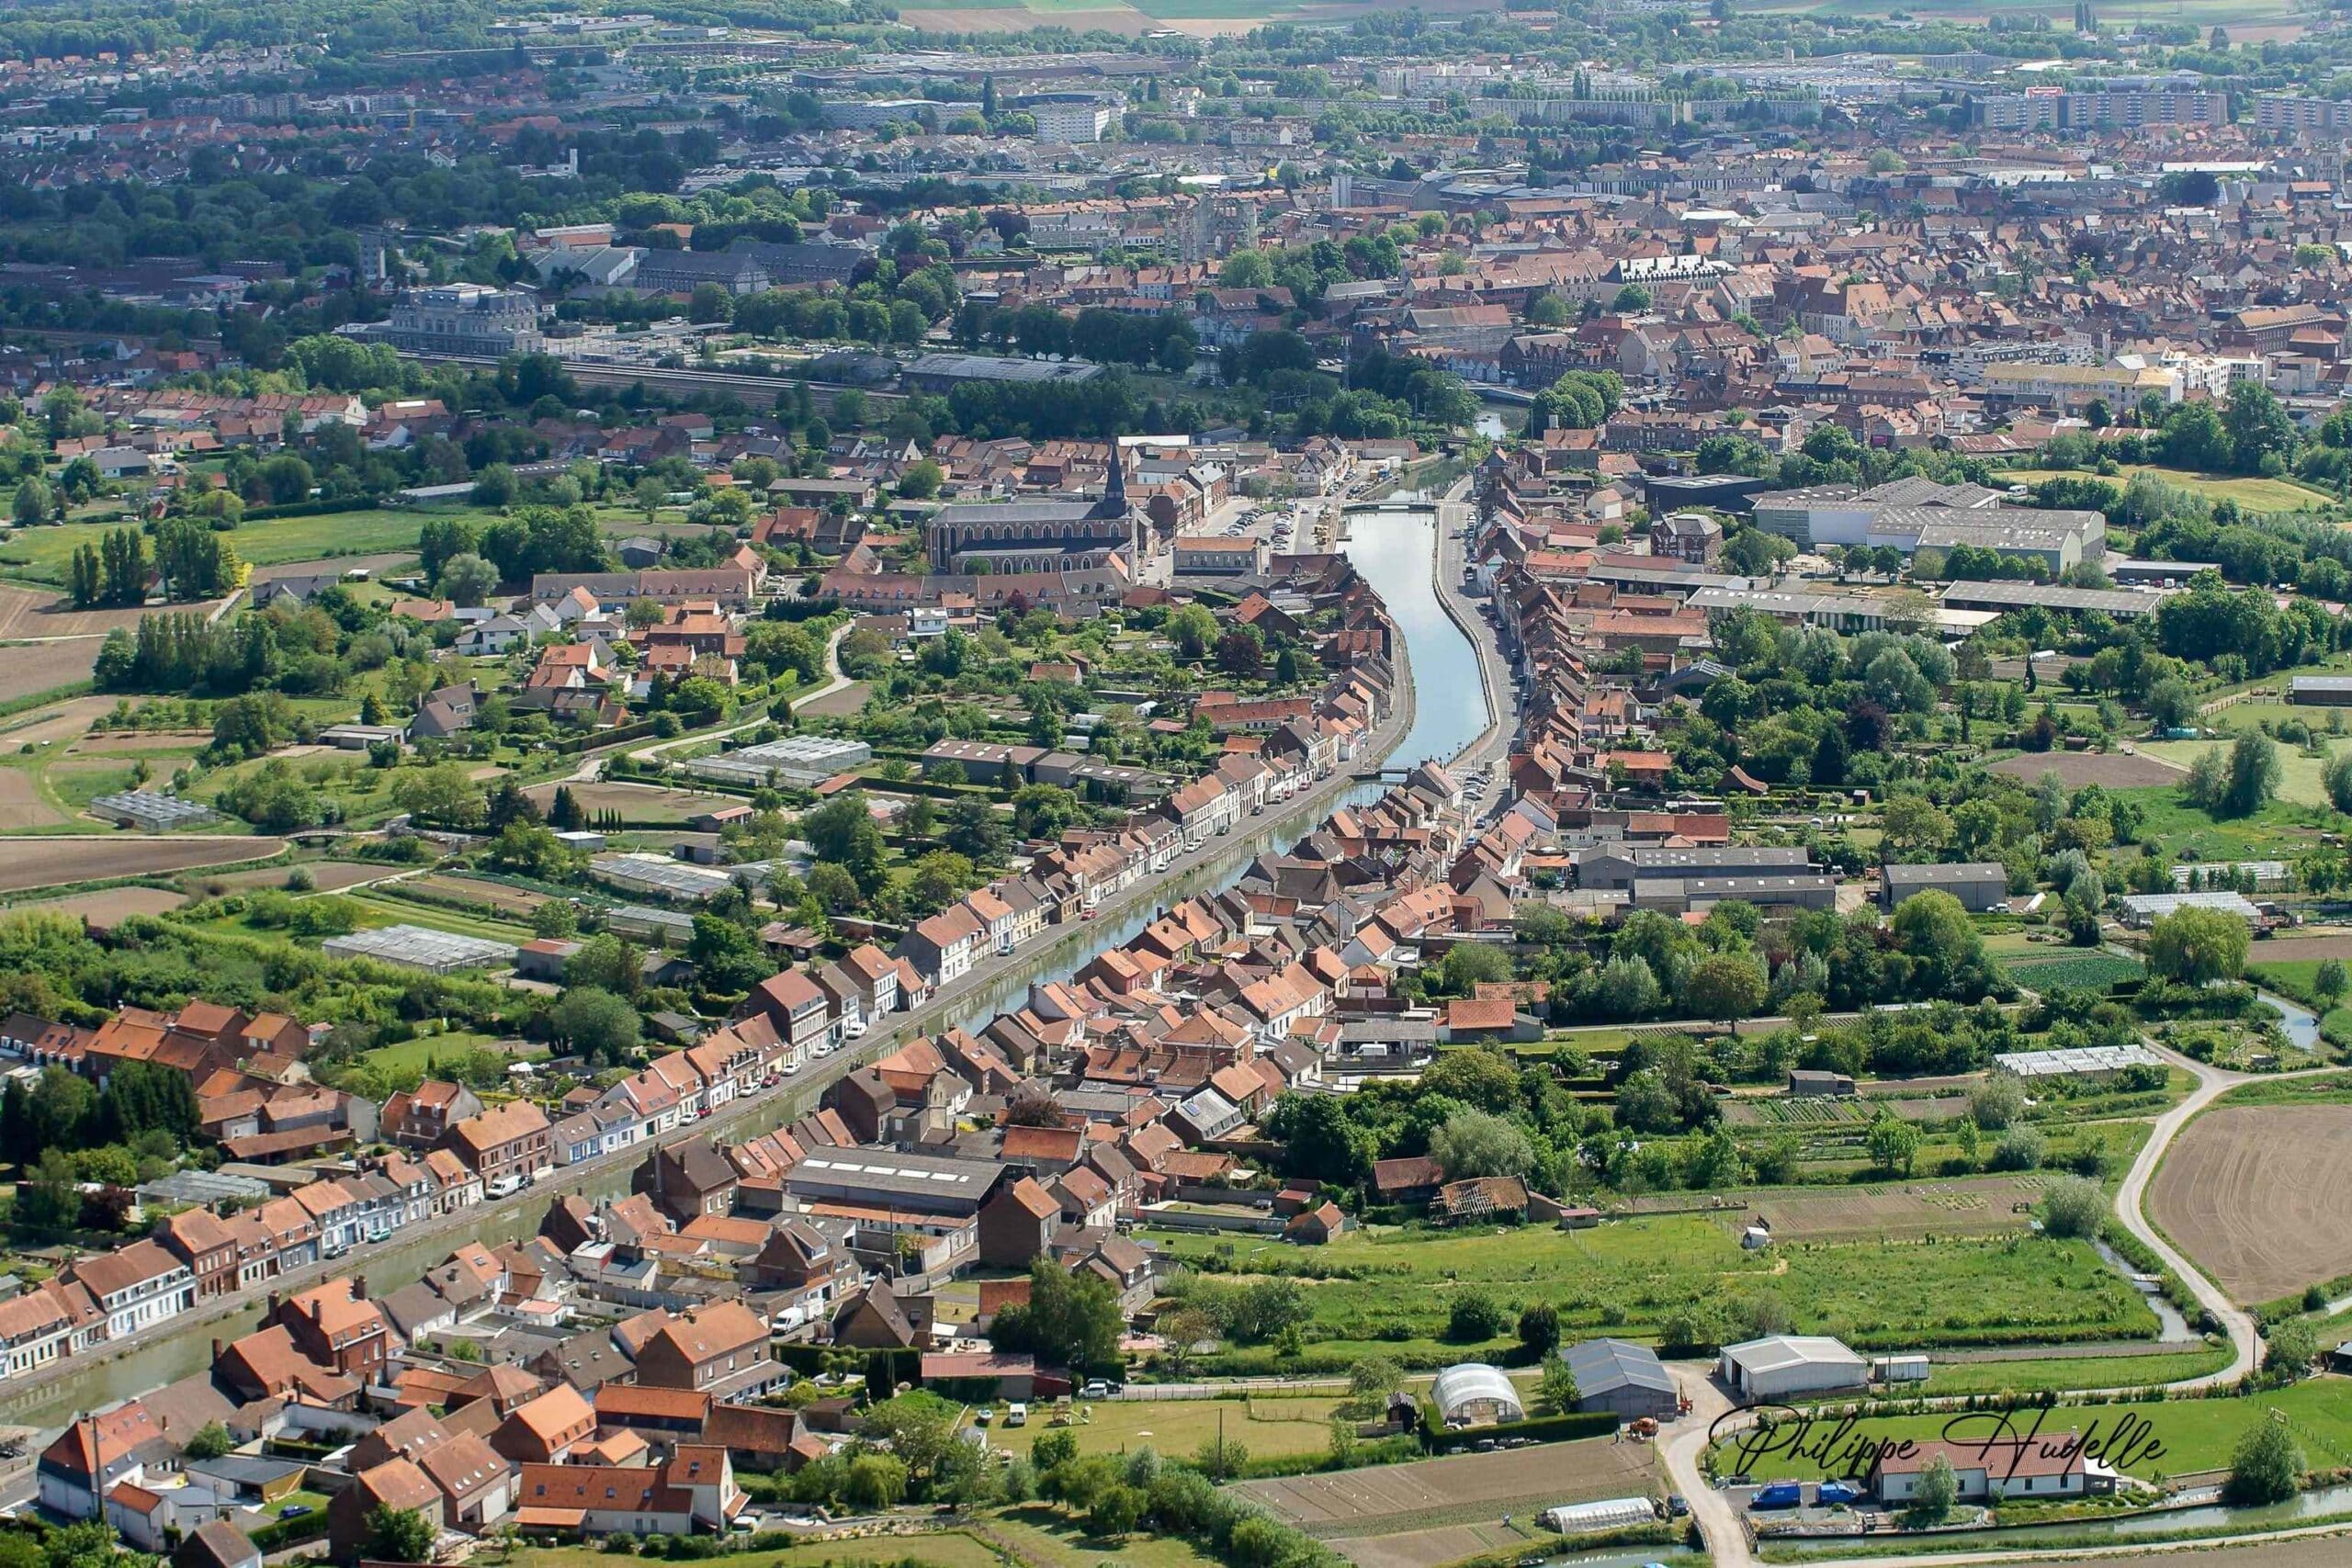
<point x="1778" y="1495"/>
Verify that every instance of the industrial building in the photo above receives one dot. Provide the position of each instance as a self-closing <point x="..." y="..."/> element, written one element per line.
<point x="1626" y="1380"/>
<point x="1788" y="1364"/>
<point x="801" y="761"/>
<point x="465" y="318"/>
<point x="1978" y="884"/>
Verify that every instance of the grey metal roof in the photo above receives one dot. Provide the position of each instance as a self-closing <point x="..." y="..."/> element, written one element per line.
<point x="1933" y="875"/>
<point x="1601" y="1365"/>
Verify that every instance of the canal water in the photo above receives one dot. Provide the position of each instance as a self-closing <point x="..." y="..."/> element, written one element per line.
<point x="1397" y="552"/>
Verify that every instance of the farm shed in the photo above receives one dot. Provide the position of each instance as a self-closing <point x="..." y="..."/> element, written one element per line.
<point x="1978" y="884"/>
<point x="1626" y="1380"/>
<point x="1787" y="1364"/>
<point x="415" y="947"/>
<point x="1473" y="1394"/>
<point x="2326" y="691"/>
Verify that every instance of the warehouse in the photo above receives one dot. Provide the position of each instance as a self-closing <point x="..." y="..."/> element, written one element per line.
<point x="1978" y="884"/>
<point x="660" y="878"/>
<point x="415" y="947"/>
<point x="803" y="761"/>
<point x="2140" y="910"/>
<point x="1788" y="1364"/>
<point x="2320" y="691"/>
<point x="1626" y="1380"/>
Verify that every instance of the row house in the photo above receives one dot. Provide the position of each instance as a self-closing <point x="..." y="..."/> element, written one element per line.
<point x="944" y="948"/>
<point x="34" y="1328"/>
<point x="1205" y="808"/>
<point x="138" y="1286"/>
<point x="507" y="1143"/>
<point x="799" y="1013"/>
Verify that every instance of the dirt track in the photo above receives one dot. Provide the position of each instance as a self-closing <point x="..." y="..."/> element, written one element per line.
<point x="2254" y="1194"/>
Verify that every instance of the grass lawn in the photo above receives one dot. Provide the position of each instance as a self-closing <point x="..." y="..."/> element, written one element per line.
<point x="2299" y="774"/>
<point x="2252" y="494"/>
<point x="1266" y="1428"/>
<point x="2070" y="1372"/>
<point x="1043" y="1534"/>
<point x="1629" y="1276"/>
<point x="2195" y="1434"/>
<point x="2280" y="830"/>
<point x="423" y="1051"/>
<point x="42" y="555"/>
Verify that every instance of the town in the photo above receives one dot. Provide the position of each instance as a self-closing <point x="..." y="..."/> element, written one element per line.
<point x="1265" y="785"/>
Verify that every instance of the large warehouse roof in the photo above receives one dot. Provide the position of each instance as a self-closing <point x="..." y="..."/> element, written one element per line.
<point x="1601" y="1365"/>
<point x="1790" y="1350"/>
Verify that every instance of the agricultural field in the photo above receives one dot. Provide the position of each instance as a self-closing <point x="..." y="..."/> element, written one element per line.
<point x="326" y="876"/>
<point x="43" y="555"/>
<point x="2196" y="1434"/>
<point x="514" y="903"/>
<point x="2308" y="949"/>
<point x="22" y="805"/>
<point x="1046" y="1536"/>
<point x="1443" y="1543"/>
<point x="1821" y="1110"/>
<point x="1267" y="1429"/>
<point x="636" y="803"/>
<point x="2174" y="829"/>
<point x="2254" y="1194"/>
<point x="107" y="906"/>
<point x="2251" y="493"/>
<point x="1992" y="1205"/>
<point x="28" y="668"/>
<point x="54" y="721"/>
<point x="42" y="612"/>
<point x="2110" y="770"/>
<point x="1392" y="1498"/>
<point x="1629" y="1276"/>
<point x="2079" y="970"/>
<point x="51" y="862"/>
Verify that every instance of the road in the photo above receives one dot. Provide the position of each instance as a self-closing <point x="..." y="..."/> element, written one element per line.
<point x="1492" y="748"/>
<point x="1720" y="1523"/>
<point x="748" y="1117"/>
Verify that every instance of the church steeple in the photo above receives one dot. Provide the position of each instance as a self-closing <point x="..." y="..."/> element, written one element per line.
<point x="1114" y="487"/>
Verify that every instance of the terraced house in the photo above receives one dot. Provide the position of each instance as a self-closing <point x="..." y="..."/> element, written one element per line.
<point x="137" y="1286"/>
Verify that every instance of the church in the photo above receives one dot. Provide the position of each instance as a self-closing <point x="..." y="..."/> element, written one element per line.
<point x="1044" y="536"/>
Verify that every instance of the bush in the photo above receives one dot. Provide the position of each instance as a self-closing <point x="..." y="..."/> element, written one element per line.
<point x="1476" y="1318"/>
<point x="2020" y="1148"/>
<point x="2074" y="1206"/>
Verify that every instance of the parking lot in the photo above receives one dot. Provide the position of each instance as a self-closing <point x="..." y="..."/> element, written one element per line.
<point x="1848" y="1503"/>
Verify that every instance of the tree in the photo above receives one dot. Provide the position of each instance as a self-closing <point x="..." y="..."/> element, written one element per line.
<point x="2073" y="1206"/>
<point x="1115" y="1511"/>
<point x="875" y="1481"/>
<point x="2289" y="1349"/>
<point x="466" y="580"/>
<point x="1556" y="1386"/>
<point x="51" y="1200"/>
<point x="920" y="481"/>
<point x="2254" y="775"/>
<point x="401" y="1535"/>
<point x="1938" y="1491"/>
<point x="2266" y="1467"/>
<point x="1539" y="1328"/>
<point x="1478" y="1143"/>
<point x="32" y="503"/>
<point x="2329" y="982"/>
<point x="1725" y="986"/>
<point x="595" y="1022"/>
<point x="1192" y="630"/>
<point x="1372" y="1383"/>
<point x="2336" y="778"/>
<point x="2170" y="703"/>
<point x="1893" y="1145"/>
<point x="1071" y="1321"/>
<point x="1996" y="1103"/>
<point x="1475" y="1317"/>
<point x="729" y="957"/>
<point x="2198" y="947"/>
<point x="210" y="1442"/>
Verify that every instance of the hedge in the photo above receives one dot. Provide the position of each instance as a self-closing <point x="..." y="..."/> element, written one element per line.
<point x="279" y="1533"/>
<point x="1543" y="1428"/>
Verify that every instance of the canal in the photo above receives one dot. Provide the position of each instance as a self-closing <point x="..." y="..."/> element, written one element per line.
<point x="1397" y="552"/>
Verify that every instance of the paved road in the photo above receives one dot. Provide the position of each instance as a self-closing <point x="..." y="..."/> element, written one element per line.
<point x="1720" y="1523"/>
<point x="751" y="1115"/>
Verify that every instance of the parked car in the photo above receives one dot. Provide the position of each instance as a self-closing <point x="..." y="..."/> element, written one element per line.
<point x="1017" y="1415"/>
<point x="1096" y="1389"/>
<point x="1830" y="1492"/>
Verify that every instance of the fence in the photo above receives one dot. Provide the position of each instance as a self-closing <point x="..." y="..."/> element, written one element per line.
<point x="1224" y="1389"/>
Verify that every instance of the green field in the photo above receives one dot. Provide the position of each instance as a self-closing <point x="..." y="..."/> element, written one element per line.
<point x="2063" y="1372"/>
<point x="1629" y="1276"/>
<point x="2173" y="827"/>
<point x="42" y="555"/>
<point x="2194" y="1434"/>
<point x="2047" y="970"/>
<point x="419" y="1054"/>
<point x="940" y="1548"/>
<point x="1267" y="1429"/>
<point x="2252" y="494"/>
<point x="2298" y="776"/>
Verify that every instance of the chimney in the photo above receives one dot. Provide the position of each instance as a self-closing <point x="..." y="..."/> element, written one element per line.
<point x="359" y="1287"/>
<point x="215" y="1349"/>
<point x="317" y="1311"/>
<point x="273" y="1304"/>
